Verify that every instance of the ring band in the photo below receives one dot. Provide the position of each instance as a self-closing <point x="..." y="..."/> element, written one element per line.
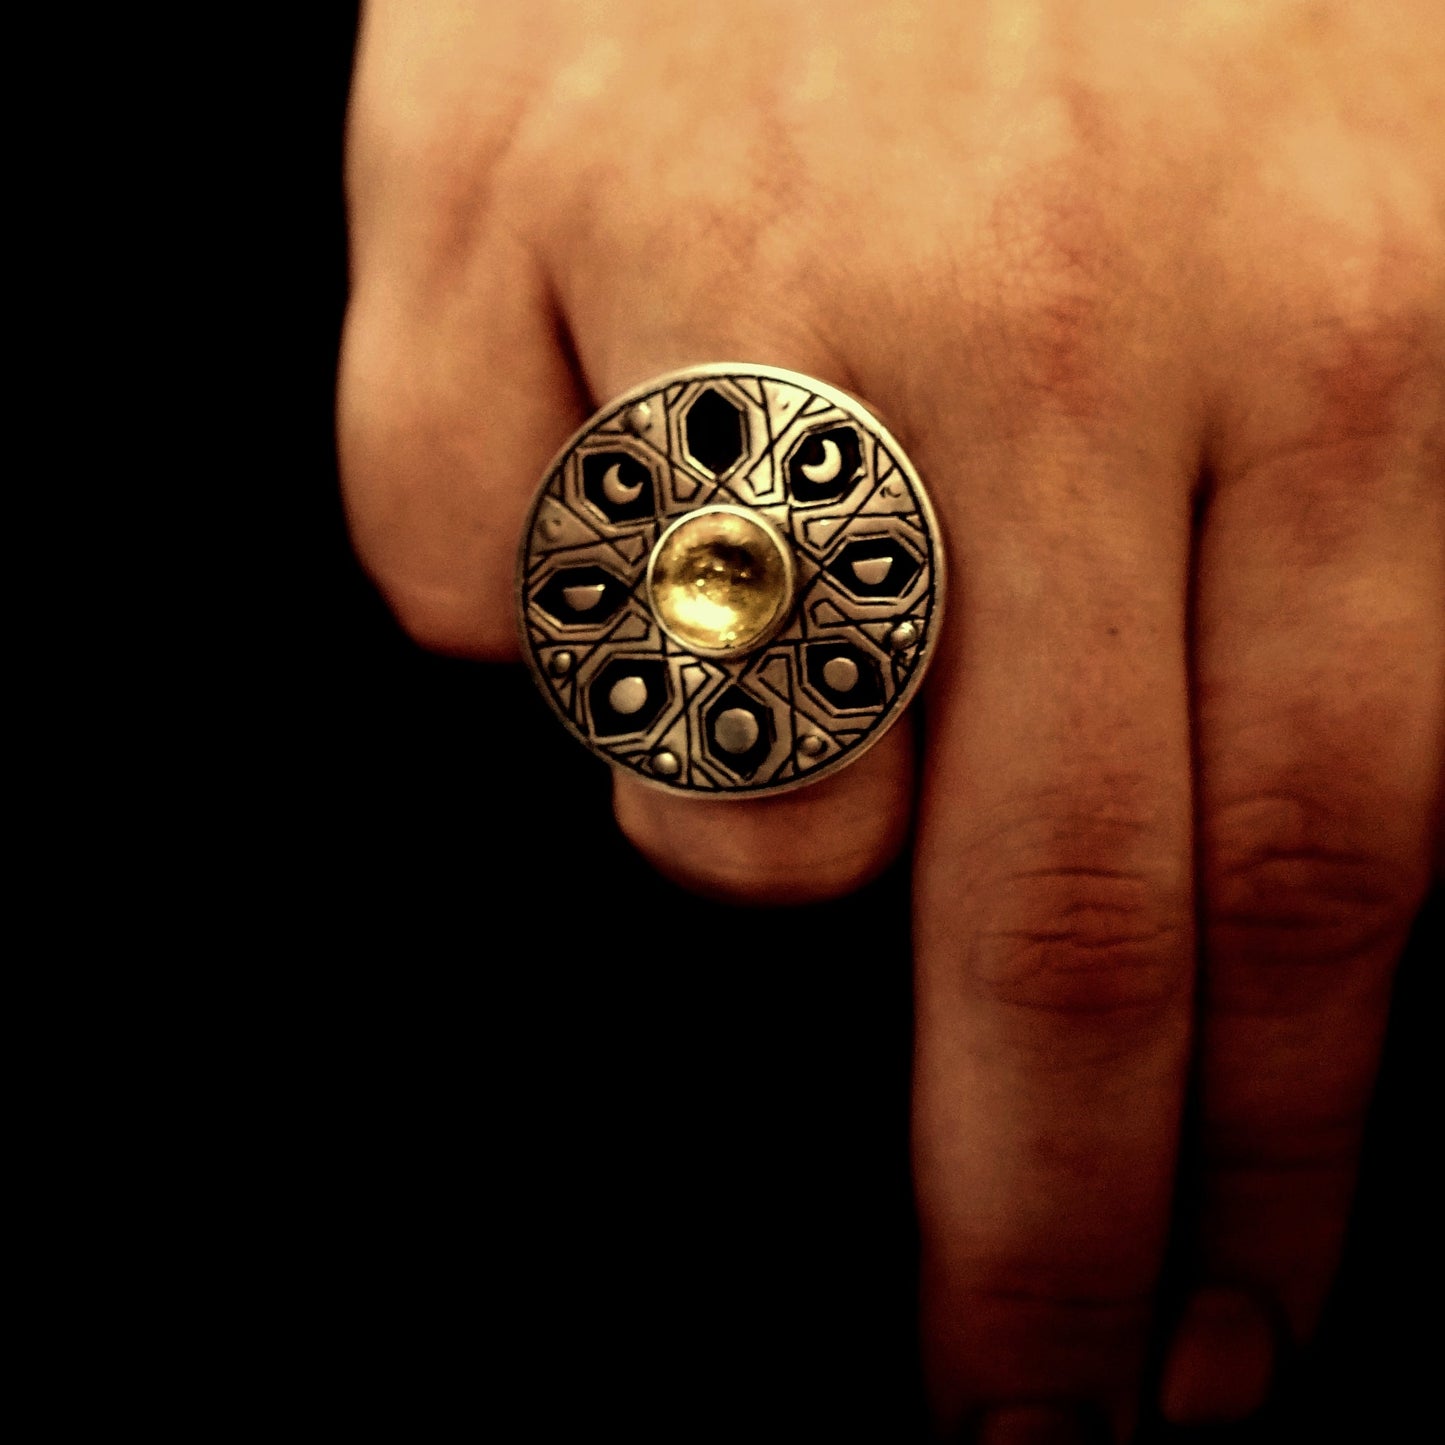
<point x="730" y="581"/>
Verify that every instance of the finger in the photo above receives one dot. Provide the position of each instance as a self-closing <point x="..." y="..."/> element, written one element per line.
<point x="816" y="842"/>
<point x="642" y="302"/>
<point x="1321" y="727"/>
<point x="454" y="388"/>
<point x="1053" y="918"/>
<point x="801" y="847"/>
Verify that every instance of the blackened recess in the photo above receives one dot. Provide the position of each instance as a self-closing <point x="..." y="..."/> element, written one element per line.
<point x="875" y="567"/>
<point x="714" y="428"/>
<point x="846" y="675"/>
<point x="581" y="596"/>
<point x="618" y="485"/>
<point x="743" y="764"/>
<point x="638" y="684"/>
<point x="825" y="465"/>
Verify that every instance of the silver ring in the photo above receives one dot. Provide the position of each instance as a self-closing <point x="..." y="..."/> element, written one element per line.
<point x="730" y="581"/>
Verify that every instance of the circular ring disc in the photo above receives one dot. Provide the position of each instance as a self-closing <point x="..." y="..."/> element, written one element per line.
<point x="751" y="671"/>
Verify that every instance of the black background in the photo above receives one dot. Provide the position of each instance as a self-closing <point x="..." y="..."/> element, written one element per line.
<point x="538" y="1138"/>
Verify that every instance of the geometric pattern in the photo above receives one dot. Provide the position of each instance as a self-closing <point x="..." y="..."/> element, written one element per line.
<point x="869" y="573"/>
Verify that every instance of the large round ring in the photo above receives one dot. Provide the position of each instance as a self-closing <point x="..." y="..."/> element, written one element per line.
<point x="730" y="581"/>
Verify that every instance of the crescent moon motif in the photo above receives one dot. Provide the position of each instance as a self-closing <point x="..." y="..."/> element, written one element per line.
<point x="615" y="490"/>
<point x="827" y="470"/>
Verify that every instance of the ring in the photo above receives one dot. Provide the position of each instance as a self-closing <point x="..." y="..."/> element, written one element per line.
<point x="730" y="581"/>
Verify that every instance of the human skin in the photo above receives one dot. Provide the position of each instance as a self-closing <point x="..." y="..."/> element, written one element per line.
<point x="1154" y="296"/>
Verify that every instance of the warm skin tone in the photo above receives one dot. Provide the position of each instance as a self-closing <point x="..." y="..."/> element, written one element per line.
<point x="1154" y="295"/>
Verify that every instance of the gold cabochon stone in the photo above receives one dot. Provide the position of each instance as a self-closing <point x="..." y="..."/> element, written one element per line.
<point x="720" y="581"/>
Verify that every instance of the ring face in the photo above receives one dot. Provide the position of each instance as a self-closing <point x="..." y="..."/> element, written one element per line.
<point x="730" y="581"/>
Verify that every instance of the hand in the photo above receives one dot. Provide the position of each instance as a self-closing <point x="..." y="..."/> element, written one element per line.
<point x="1154" y="296"/>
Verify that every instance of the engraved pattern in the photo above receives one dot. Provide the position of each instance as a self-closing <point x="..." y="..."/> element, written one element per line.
<point x="834" y="484"/>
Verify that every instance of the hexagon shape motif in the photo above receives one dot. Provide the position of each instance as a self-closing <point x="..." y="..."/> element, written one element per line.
<point x="825" y="464"/>
<point x="619" y="485"/>
<point x="844" y="675"/>
<point x="627" y="695"/>
<point x="875" y="567"/>
<point x="713" y="431"/>
<point x="739" y="732"/>
<point x="580" y="596"/>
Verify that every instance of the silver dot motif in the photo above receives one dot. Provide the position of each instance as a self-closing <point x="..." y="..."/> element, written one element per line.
<point x="841" y="674"/>
<point x="666" y="765"/>
<point x="903" y="637"/>
<point x="560" y="664"/>
<point x="627" y="696"/>
<point x="736" y="731"/>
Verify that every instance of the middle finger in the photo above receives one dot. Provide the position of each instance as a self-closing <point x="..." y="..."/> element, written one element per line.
<point x="1053" y="897"/>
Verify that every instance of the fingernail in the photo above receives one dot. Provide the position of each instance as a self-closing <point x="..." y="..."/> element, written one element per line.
<point x="1220" y="1361"/>
<point x="1036" y="1425"/>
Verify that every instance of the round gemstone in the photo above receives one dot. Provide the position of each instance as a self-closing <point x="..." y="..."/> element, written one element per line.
<point x="721" y="581"/>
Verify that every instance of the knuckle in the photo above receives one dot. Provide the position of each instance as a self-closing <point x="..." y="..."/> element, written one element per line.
<point x="1351" y="357"/>
<point x="1290" y="883"/>
<point x="405" y="477"/>
<point x="1366" y="333"/>
<point x="1372" y="365"/>
<point x="1318" y="1145"/>
<point x="1097" y="956"/>
<point x="1052" y="303"/>
<point x="1058" y="249"/>
<point x="1083" y="926"/>
<point x="383" y="415"/>
<point x="427" y="179"/>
